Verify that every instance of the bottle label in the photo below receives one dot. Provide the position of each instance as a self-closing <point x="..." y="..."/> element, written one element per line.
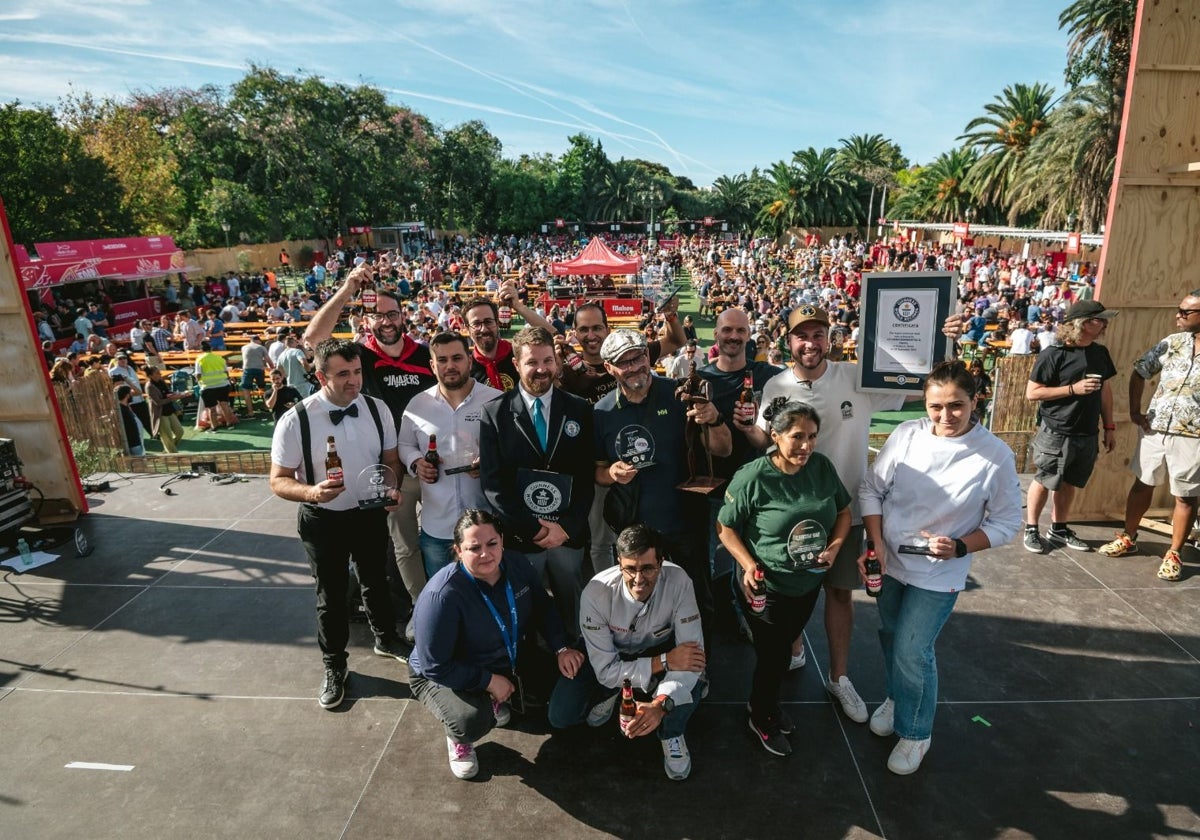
<point x="335" y="475"/>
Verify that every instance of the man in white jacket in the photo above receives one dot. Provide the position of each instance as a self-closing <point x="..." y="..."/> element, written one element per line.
<point x="639" y="622"/>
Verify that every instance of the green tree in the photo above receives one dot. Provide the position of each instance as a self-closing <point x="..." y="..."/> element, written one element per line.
<point x="51" y="187"/>
<point x="869" y="157"/>
<point x="1003" y="137"/>
<point x="463" y="165"/>
<point x="734" y="199"/>
<point x="582" y="169"/>
<point x="936" y="192"/>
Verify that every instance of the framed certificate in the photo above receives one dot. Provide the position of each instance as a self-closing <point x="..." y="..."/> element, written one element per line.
<point x="900" y="328"/>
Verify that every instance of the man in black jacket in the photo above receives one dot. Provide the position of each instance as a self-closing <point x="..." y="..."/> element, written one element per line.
<point x="536" y="466"/>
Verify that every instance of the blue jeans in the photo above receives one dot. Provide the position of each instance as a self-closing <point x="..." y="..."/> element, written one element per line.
<point x="435" y="553"/>
<point x="910" y="620"/>
<point x="571" y="701"/>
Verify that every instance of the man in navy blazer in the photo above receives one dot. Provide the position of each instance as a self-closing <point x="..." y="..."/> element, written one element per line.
<point x="537" y="464"/>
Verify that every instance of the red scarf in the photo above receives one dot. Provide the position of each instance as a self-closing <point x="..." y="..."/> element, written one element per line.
<point x="503" y="351"/>
<point x="387" y="360"/>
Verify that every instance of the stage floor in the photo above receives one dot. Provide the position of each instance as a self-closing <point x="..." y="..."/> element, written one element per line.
<point x="180" y="660"/>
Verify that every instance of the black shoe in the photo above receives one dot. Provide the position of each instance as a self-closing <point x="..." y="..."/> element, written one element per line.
<point x="393" y="647"/>
<point x="770" y="736"/>
<point x="333" y="690"/>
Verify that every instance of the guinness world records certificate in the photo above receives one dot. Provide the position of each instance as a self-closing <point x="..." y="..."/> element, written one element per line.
<point x="900" y="335"/>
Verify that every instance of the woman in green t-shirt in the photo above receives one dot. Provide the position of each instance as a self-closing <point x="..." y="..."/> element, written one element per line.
<point x="787" y="514"/>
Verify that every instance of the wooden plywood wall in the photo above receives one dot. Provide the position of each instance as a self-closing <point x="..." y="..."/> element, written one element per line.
<point x="28" y="413"/>
<point x="1152" y="245"/>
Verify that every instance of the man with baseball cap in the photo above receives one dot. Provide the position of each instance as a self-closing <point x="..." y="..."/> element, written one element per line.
<point x="832" y="389"/>
<point x="642" y="456"/>
<point x="1071" y="381"/>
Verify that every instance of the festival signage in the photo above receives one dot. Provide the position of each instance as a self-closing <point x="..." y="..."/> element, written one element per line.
<point x="90" y="259"/>
<point x="622" y="307"/>
<point x="962" y="230"/>
<point x="901" y="328"/>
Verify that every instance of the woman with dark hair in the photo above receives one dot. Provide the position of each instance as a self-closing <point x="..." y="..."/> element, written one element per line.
<point x="942" y="488"/>
<point x="471" y="620"/>
<point x="786" y="515"/>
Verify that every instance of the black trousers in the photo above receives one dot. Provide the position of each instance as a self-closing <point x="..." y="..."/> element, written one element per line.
<point x="774" y="631"/>
<point x="690" y="550"/>
<point x="333" y="539"/>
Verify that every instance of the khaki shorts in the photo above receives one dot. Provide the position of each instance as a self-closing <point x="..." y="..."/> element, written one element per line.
<point x="844" y="572"/>
<point x="1159" y="457"/>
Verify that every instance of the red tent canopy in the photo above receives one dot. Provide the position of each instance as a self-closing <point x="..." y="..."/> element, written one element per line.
<point x="597" y="258"/>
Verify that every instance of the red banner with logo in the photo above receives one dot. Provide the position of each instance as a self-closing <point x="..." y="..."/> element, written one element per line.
<point x="90" y="259"/>
<point x="622" y="307"/>
<point x="1072" y="243"/>
<point x="962" y="230"/>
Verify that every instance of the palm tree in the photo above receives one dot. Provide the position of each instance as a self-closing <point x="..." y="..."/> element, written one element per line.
<point x="866" y="156"/>
<point x="780" y="211"/>
<point x="826" y="194"/>
<point x="937" y="192"/>
<point x="622" y="182"/>
<point x="1013" y="122"/>
<point x="733" y="199"/>
<point x="1069" y="169"/>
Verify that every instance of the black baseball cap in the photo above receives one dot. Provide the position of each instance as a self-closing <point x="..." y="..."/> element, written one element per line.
<point x="1085" y="309"/>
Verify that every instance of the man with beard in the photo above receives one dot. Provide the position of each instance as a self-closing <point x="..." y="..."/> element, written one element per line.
<point x="334" y="530"/>
<point x="726" y="377"/>
<point x="642" y="455"/>
<point x="451" y="410"/>
<point x="592" y="383"/>
<point x="832" y="389"/>
<point x="536" y="467"/>
<point x="395" y="369"/>
<point x="493" y="356"/>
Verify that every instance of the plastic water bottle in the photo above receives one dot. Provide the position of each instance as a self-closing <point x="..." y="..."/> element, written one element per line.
<point x="26" y="554"/>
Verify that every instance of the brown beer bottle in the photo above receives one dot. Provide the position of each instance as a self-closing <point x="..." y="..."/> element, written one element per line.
<point x="432" y="456"/>
<point x="758" y="597"/>
<point x="874" y="574"/>
<point x="369" y="297"/>
<point x="333" y="462"/>
<point x="747" y="395"/>
<point x="628" y="707"/>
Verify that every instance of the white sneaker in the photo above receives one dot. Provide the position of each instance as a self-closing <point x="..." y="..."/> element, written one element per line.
<point x="852" y="704"/>
<point x="677" y="761"/>
<point x="463" y="762"/>
<point x="602" y="711"/>
<point x="799" y="660"/>
<point x="883" y="717"/>
<point x="503" y="713"/>
<point x="907" y="755"/>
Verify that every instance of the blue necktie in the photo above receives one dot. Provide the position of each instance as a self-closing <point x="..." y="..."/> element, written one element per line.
<point x="539" y="423"/>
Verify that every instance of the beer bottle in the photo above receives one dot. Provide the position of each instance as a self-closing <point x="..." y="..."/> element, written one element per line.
<point x="628" y="707"/>
<point x="758" y="596"/>
<point x="432" y="456"/>
<point x="874" y="575"/>
<point x="573" y="358"/>
<point x="333" y="462"/>
<point x="369" y="297"/>
<point x="747" y="395"/>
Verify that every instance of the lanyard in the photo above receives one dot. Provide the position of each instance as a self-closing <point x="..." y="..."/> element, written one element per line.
<point x="510" y="639"/>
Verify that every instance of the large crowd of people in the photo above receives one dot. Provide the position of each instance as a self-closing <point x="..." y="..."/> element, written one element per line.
<point x="556" y="485"/>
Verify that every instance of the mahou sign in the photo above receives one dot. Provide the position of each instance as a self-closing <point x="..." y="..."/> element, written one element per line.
<point x="90" y="259"/>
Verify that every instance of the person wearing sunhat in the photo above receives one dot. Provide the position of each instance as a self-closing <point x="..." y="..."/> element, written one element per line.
<point x="1071" y="381"/>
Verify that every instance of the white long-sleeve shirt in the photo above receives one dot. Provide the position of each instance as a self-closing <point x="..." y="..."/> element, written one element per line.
<point x="457" y="430"/>
<point x="614" y="623"/>
<point x="944" y="485"/>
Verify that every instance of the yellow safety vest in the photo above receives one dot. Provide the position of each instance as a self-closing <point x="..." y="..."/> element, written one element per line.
<point x="212" y="371"/>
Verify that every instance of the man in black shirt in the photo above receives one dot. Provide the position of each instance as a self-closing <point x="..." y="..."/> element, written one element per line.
<point x="1071" y="381"/>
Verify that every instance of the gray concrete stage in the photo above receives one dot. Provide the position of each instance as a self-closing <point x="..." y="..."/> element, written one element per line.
<point x="185" y="648"/>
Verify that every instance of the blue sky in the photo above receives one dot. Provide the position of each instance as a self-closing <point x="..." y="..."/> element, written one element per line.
<point x="706" y="88"/>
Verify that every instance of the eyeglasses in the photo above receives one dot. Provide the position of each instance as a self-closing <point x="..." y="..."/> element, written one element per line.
<point x="1187" y="313"/>
<point x="630" y="362"/>
<point x="393" y="315"/>
<point x="631" y="573"/>
<point x="478" y="325"/>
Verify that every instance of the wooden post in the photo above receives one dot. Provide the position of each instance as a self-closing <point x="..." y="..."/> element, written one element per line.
<point x="1151" y="257"/>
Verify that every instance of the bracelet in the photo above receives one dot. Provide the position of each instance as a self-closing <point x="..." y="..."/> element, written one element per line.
<point x="561" y="650"/>
<point x="1071" y="388"/>
<point x="1109" y="428"/>
<point x="719" y="421"/>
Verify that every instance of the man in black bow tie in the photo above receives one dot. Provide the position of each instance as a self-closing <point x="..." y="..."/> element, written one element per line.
<point x="333" y="527"/>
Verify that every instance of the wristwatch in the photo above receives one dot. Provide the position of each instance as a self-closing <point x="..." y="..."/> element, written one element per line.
<point x="668" y="705"/>
<point x="663" y="659"/>
<point x="960" y="548"/>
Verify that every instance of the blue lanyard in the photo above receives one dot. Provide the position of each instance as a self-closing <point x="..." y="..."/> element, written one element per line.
<point x="510" y="639"/>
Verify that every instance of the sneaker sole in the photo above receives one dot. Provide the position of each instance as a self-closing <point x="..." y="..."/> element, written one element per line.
<point x="765" y="744"/>
<point x="1057" y="542"/>
<point x="341" y="698"/>
<point x="1041" y="549"/>
<point x="676" y="777"/>
<point x="399" y="657"/>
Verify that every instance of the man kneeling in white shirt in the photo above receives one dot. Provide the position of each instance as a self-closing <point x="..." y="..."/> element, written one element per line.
<point x="639" y="622"/>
